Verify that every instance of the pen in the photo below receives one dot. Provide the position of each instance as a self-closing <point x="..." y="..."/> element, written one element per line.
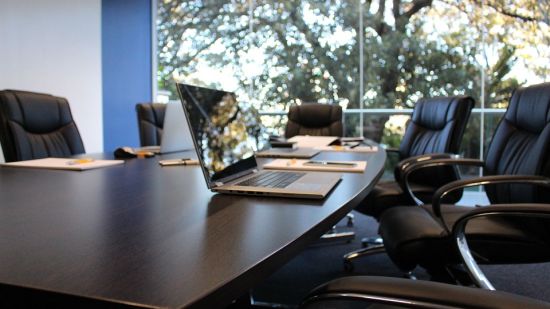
<point x="80" y="161"/>
<point x="184" y="161"/>
<point x="290" y="162"/>
<point x="177" y="160"/>
<point x="330" y="163"/>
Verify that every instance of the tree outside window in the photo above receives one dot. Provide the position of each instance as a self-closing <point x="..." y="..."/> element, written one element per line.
<point x="358" y="54"/>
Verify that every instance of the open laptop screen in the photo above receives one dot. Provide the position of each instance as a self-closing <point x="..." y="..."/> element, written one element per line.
<point x="226" y="133"/>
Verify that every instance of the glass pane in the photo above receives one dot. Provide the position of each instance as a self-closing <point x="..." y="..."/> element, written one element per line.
<point x="308" y="53"/>
<point x="393" y="131"/>
<point x="470" y="146"/>
<point x="277" y="53"/>
<point x="411" y="54"/>
<point x="351" y="124"/>
<point x="201" y="42"/>
<point x="516" y="46"/>
<point x="274" y="124"/>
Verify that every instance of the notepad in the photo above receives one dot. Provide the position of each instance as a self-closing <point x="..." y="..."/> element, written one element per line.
<point x="64" y="163"/>
<point x="302" y="165"/>
<point x="306" y="141"/>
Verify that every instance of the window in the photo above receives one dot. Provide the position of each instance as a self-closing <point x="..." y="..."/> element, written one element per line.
<point x="374" y="58"/>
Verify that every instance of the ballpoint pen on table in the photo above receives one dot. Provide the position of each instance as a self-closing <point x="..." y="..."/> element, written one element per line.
<point x="354" y="145"/>
<point x="80" y="161"/>
<point x="184" y="161"/>
<point x="330" y="163"/>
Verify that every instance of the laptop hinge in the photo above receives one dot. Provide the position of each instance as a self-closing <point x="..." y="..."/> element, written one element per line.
<point x="222" y="181"/>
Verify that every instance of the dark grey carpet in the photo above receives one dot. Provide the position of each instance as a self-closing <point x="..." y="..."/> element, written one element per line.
<point x="321" y="263"/>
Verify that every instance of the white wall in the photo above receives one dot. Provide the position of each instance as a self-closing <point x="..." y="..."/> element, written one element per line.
<point x="54" y="46"/>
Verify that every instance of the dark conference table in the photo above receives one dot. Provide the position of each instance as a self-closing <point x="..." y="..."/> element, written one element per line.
<point x="148" y="236"/>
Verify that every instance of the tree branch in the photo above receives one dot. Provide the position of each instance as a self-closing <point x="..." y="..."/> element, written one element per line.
<point x="417" y="6"/>
<point x="396" y="11"/>
<point x="502" y="10"/>
<point x="379" y="25"/>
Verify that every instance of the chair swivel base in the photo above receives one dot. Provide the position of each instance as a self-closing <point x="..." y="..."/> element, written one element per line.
<point x="369" y="241"/>
<point x="349" y="257"/>
<point x="350" y="219"/>
<point x="332" y="236"/>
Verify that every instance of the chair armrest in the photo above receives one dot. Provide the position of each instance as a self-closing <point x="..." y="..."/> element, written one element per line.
<point x="407" y="170"/>
<point x="459" y="232"/>
<point x="404" y="164"/>
<point x="416" y="293"/>
<point x="486" y="180"/>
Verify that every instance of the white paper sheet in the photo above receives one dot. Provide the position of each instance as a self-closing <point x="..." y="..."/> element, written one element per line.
<point x="74" y="164"/>
<point x="301" y="165"/>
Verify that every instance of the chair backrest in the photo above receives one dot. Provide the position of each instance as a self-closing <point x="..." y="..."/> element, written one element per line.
<point x="437" y="126"/>
<point x="521" y="145"/>
<point x="150" y="118"/>
<point x="314" y="119"/>
<point x="36" y="125"/>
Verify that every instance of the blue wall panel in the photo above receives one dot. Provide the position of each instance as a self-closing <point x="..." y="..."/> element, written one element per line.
<point x="126" y="64"/>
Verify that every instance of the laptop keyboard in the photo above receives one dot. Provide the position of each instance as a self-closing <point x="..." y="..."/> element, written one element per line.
<point x="272" y="179"/>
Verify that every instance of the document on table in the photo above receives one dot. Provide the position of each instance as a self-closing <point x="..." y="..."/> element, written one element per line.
<point x="348" y="148"/>
<point x="75" y="164"/>
<point x="306" y="141"/>
<point x="317" y="165"/>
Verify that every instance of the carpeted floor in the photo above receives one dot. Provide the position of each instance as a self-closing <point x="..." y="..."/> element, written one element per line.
<point x="322" y="262"/>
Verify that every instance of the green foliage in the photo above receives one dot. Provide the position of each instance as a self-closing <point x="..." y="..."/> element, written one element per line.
<point x="304" y="61"/>
<point x="306" y="51"/>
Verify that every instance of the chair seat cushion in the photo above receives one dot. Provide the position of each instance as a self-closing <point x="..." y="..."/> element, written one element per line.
<point x="405" y="292"/>
<point x="413" y="236"/>
<point x="387" y="194"/>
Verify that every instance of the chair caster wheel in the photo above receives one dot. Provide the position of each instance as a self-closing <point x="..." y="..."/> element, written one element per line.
<point x="409" y="275"/>
<point x="348" y="266"/>
<point x="350" y="220"/>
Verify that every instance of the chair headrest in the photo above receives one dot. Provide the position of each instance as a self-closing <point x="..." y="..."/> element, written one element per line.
<point x="315" y="114"/>
<point x="37" y="113"/>
<point x="152" y="112"/>
<point x="533" y="113"/>
<point x="436" y="113"/>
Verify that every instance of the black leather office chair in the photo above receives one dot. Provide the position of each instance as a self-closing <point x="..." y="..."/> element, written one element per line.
<point x="391" y="293"/>
<point x="150" y="117"/>
<point x="318" y="119"/>
<point x="314" y="119"/>
<point x="517" y="157"/>
<point x="436" y="127"/>
<point x="36" y="125"/>
<point x="435" y="131"/>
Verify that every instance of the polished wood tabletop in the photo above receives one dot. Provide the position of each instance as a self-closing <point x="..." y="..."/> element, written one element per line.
<point x="140" y="234"/>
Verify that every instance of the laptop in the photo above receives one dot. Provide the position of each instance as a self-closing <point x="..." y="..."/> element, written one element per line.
<point x="175" y="133"/>
<point x="227" y="134"/>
